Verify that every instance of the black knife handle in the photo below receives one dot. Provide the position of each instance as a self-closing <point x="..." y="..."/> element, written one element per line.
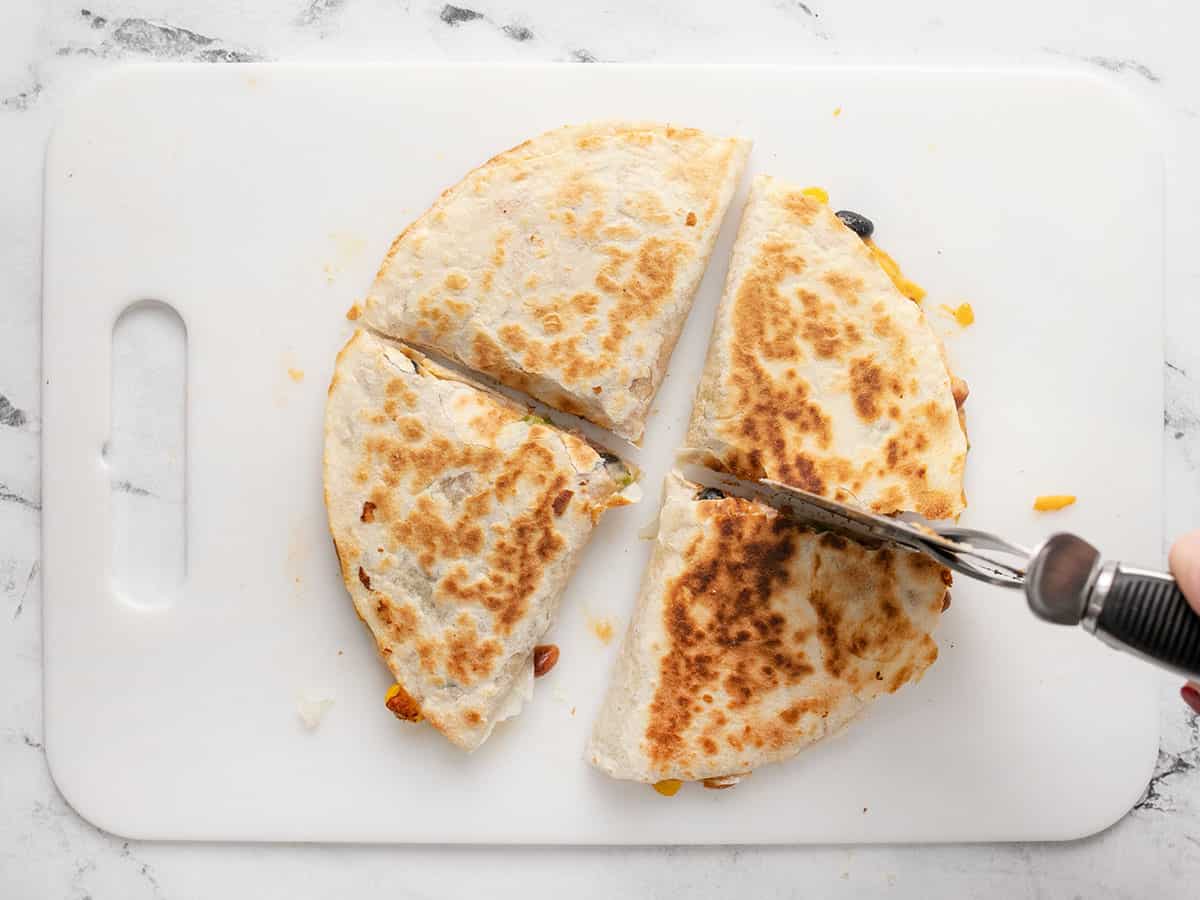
<point x="1146" y="612"/>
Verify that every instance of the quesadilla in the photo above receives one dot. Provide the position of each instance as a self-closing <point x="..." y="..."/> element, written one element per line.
<point x="755" y="637"/>
<point x="566" y="266"/>
<point x="457" y="518"/>
<point x="821" y="374"/>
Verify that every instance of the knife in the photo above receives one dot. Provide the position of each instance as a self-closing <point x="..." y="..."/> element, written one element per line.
<point x="1065" y="580"/>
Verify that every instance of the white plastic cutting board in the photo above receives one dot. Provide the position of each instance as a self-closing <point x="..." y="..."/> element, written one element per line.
<point x="258" y="202"/>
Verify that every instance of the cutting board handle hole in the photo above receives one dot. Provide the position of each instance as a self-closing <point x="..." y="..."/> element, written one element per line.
<point x="146" y="454"/>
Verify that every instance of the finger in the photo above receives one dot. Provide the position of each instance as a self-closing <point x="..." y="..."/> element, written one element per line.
<point x="1184" y="560"/>
<point x="1191" y="695"/>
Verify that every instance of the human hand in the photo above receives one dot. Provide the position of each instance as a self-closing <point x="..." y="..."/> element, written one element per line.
<point x="1184" y="560"/>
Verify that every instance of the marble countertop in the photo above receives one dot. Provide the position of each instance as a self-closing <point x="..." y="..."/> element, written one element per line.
<point x="49" y="48"/>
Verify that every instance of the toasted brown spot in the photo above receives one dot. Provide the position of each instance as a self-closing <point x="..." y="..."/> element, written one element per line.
<point x="808" y="705"/>
<point x="457" y="281"/>
<point x="560" y="502"/>
<point x="767" y="330"/>
<point x="498" y="248"/>
<point x="845" y="286"/>
<point x="803" y="207"/>
<point x="638" y="294"/>
<point x="690" y="220"/>
<point x="723" y="630"/>
<point x="577" y="188"/>
<point x="421" y="463"/>
<point x="368" y="512"/>
<point x="397" y="621"/>
<point x="866" y="388"/>
<point x="469" y="659"/>
<point x="522" y="548"/>
<point x="472" y="718"/>
<point x="364" y="578"/>
<point x="804" y="475"/>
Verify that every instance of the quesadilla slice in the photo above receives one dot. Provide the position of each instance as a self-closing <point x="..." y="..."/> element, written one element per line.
<point x="755" y="637"/>
<point x="566" y="266"/>
<point x="457" y="517"/>
<point x="821" y="374"/>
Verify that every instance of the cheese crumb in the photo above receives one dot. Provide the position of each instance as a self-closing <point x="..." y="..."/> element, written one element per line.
<point x="601" y="628"/>
<point x="817" y="193"/>
<point x="1051" y="502"/>
<point x="963" y="313"/>
<point x="312" y="709"/>
<point x="296" y="375"/>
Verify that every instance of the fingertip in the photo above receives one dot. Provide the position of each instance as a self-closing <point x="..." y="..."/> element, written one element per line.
<point x="1190" y="693"/>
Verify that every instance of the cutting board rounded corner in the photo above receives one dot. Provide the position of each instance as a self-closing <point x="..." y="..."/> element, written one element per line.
<point x="1131" y="101"/>
<point x="1123" y="801"/>
<point x="77" y="790"/>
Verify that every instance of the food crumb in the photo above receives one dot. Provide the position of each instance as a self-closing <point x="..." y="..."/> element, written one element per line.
<point x="1051" y="502"/>
<point x="837" y="111"/>
<point x="668" y="787"/>
<point x="817" y="193"/>
<point x="354" y="312"/>
<point x="602" y="628"/>
<point x="963" y="313"/>
<point x="312" y="709"/>
<point x="572" y="711"/>
<point x="297" y="375"/>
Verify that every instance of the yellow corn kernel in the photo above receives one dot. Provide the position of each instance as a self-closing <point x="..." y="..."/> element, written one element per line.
<point x="819" y="194"/>
<point x="669" y="787"/>
<point x="1050" y="502"/>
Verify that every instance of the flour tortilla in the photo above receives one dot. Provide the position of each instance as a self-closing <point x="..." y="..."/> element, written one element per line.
<point x="755" y="637"/>
<point x="457" y="519"/>
<point x="566" y="266"/>
<point x="821" y="374"/>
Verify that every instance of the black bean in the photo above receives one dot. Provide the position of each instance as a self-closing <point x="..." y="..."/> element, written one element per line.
<point x="710" y="494"/>
<point x="857" y="222"/>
